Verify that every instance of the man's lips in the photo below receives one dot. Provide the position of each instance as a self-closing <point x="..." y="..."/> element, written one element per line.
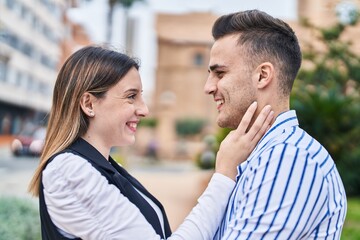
<point x="219" y="103"/>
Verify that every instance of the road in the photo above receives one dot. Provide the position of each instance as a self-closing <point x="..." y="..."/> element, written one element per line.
<point x="15" y="173"/>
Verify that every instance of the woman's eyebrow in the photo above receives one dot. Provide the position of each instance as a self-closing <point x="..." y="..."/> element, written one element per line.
<point x="132" y="90"/>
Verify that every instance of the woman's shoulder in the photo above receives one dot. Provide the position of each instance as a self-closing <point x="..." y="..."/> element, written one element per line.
<point x="67" y="169"/>
<point x="65" y="161"/>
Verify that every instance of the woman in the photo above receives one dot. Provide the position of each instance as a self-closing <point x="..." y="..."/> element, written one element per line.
<point x="83" y="192"/>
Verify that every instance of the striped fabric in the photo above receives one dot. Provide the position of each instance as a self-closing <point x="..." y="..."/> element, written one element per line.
<point x="289" y="188"/>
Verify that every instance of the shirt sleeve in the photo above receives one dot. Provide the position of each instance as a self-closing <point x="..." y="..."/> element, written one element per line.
<point x="205" y="217"/>
<point x="80" y="200"/>
<point x="268" y="197"/>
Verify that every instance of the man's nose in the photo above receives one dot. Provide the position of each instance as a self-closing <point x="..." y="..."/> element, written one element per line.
<point x="210" y="85"/>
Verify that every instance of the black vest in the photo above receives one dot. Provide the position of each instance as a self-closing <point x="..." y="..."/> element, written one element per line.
<point x="117" y="176"/>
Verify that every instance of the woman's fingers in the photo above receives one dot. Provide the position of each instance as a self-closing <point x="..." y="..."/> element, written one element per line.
<point x="239" y="143"/>
<point x="264" y="127"/>
<point x="246" y="120"/>
<point x="260" y="124"/>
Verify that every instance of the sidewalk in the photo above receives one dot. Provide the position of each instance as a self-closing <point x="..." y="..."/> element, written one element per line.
<point x="177" y="185"/>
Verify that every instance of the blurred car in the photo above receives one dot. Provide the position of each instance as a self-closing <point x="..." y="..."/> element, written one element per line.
<point x="29" y="142"/>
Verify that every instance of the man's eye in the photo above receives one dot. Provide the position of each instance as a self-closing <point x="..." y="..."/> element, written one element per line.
<point x="132" y="96"/>
<point x="220" y="74"/>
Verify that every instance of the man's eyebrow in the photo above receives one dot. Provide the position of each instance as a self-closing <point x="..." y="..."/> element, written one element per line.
<point x="132" y="90"/>
<point x="214" y="67"/>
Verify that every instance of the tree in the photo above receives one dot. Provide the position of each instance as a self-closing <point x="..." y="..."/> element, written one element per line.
<point x="326" y="98"/>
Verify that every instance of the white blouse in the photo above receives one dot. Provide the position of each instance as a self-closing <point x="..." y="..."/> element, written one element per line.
<point x="82" y="203"/>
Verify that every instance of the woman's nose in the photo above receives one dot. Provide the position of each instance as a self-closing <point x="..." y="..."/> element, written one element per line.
<point x="142" y="109"/>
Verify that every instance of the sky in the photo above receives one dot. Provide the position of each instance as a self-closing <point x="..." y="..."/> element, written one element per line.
<point x="278" y="8"/>
<point x="92" y="15"/>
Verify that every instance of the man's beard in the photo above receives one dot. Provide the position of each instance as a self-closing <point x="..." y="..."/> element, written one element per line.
<point x="231" y="121"/>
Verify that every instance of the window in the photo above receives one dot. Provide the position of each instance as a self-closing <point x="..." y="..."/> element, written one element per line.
<point x="18" y="78"/>
<point x="27" y="49"/>
<point x="10" y="4"/>
<point x="3" y="69"/>
<point x="198" y="59"/>
<point x="24" y="12"/>
<point x="3" y="35"/>
<point x="24" y="81"/>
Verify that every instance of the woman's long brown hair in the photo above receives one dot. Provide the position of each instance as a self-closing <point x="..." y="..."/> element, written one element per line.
<point x="92" y="69"/>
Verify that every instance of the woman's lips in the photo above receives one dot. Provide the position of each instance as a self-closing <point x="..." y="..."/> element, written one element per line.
<point x="132" y="126"/>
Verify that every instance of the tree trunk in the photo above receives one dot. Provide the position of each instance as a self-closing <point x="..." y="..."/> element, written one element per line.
<point x="110" y="23"/>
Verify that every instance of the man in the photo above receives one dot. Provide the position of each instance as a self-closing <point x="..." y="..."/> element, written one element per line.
<point x="289" y="187"/>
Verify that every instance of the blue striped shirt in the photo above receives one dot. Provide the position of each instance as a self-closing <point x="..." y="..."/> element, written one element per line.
<point x="288" y="188"/>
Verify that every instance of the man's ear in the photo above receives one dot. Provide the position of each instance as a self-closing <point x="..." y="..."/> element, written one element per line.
<point x="265" y="72"/>
<point x="86" y="104"/>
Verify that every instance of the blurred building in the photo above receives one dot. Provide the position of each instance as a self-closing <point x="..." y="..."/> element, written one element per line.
<point x="75" y="35"/>
<point x="184" y="43"/>
<point x="325" y="12"/>
<point x="328" y="13"/>
<point x="36" y="37"/>
<point x="30" y="37"/>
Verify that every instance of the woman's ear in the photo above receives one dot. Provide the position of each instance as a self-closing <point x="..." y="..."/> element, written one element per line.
<point x="265" y="74"/>
<point x="86" y="104"/>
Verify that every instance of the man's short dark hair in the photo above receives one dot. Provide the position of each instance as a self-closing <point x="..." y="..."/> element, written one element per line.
<point x="266" y="39"/>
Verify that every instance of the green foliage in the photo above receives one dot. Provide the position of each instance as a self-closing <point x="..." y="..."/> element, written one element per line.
<point x="19" y="219"/>
<point x="333" y="119"/>
<point x="332" y="33"/>
<point x="351" y="230"/>
<point x="326" y="98"/>
<point x="330" y="117"/>
<point x="206" y="159"/>
<point x="189" y="126"/>
<point x="221" y="134"/>
<point x="148" y="122"/>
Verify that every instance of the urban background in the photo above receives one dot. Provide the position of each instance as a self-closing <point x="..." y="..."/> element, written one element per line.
<point x="172" y="39"/>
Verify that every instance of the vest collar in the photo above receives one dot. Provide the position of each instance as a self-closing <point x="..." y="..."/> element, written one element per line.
<point x="89" y="152"/>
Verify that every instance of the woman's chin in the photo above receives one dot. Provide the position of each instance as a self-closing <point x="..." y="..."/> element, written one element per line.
<point x="130" y="141"/>
<point x="126" y="142"/>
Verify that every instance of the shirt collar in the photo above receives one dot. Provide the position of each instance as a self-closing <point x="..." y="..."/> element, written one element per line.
<point x="283" y="121"/>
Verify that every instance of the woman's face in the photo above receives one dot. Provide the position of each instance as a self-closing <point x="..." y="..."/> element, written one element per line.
<point x="118" y="113"/>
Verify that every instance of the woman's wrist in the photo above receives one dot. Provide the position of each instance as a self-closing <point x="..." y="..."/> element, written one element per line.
<point x="227" y="171"/>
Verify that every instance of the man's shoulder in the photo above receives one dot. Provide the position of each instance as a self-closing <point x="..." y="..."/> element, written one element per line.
<point x="293" y="143"/>
<point x="298" y="139"/>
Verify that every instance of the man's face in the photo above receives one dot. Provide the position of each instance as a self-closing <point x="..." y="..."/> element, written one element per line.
<point x="231" y="81"/>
